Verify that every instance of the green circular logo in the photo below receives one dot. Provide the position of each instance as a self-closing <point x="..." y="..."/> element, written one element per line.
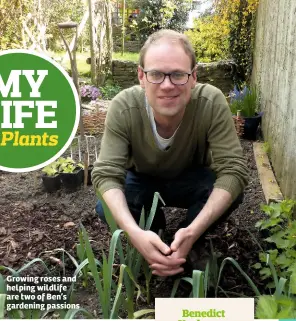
<point x="39" y="110"/>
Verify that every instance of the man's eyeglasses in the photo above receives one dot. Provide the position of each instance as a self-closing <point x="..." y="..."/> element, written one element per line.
<point x="176" y="77"/>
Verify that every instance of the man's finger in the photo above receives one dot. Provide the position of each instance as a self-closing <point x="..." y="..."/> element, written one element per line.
<point x="158" y="266"/>
<point x="168" y="261"/>
<point x="178" y="240"/>
<point x="176" y="244"/>
<point x="167" y="272"/>
<point x="161" y="246"/>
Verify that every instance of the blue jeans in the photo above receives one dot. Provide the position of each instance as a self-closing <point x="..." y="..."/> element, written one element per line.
<point x="190" y="190"/>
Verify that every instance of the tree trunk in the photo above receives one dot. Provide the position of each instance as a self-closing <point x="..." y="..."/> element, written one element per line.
<point x="92" y="42"/>
<point x="123" y="27"/>
<point x="105" y="43"/>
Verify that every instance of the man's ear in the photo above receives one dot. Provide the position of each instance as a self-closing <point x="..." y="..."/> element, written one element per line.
<point x="141" y="76"/>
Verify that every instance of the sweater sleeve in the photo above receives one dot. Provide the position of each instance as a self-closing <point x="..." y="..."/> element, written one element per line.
<point x="109" y="169"/>
<point x="228" y="161"/>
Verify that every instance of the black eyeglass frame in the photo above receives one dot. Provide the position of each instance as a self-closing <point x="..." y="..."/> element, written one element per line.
<point x="169" y="75"/>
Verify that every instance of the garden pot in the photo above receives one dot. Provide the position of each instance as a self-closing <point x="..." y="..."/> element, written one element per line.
<point x="251" y="126"/>
<point x="51" y="183"/>
<point x="90" y="168"/>
<point x="72" y="180"/>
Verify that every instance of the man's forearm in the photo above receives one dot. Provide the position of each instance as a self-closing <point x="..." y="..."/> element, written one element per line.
<point x="116" y="202"/>
<point x="218" y="202"/>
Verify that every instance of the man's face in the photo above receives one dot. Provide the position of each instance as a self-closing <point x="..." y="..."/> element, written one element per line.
<point x="166" y="98"/>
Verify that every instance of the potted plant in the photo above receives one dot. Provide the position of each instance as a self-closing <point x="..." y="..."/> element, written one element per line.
<point x="71" y="173"/>
<point x="245" y="104"/>
<point x="51" y="177"/>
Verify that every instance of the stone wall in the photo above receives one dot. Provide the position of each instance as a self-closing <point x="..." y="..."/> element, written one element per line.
<point x="129" y="46"/>
<point x="124" y="73"/>
<point x="218" y="74"/>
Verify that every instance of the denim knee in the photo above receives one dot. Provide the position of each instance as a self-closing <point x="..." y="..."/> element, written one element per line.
<point x="100" y="211"/>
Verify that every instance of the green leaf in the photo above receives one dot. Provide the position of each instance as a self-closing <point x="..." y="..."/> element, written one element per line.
<point x="270" y="223"/>
<point x="139" y="314"/>
<point x="80" y="267"/>
<point x="283" y="261"/>
<point x="94" y="271"/>
<point x="276" y="238"/>
<point x="280" y="287"/>
<point x="234" y="263"/>
<point x="273" y="271"/>
<point x="293" y="283"/>
<point x="272" y="254"/>
<point x="257" y="266"/>
<point x="292" y="268"/>
<point x="262" y="257"/>
<point x="266" y="308"/>
<point x="198" y="284"/>
<point x="259" y="223"/>
<point x="2" y="285"/>
<point x="176" y="285"/>
<point x="265" y="273"/>
<point x="153" y="210"/>
<point x="2" y="305"/>
<point x="26" y="266"/>
<point x="72" y="313"/>
<point x="175" y="288"/>
<point x="118" y="297"/>
<point x="286" y="313"/>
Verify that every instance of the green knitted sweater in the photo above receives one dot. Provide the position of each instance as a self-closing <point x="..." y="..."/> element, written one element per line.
<point x="206" y="137"/>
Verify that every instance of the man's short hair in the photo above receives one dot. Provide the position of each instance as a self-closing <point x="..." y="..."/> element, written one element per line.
<point x="172" y="35"/>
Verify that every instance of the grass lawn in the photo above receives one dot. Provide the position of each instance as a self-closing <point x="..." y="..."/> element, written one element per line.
<point x="83" y="67"/>
<point x="130" y="56"/>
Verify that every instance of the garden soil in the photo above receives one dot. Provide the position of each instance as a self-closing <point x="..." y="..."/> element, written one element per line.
<point x="35" y="224"/>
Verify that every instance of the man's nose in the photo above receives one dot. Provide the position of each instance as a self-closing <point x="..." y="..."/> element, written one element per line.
<point x="167" y="82"/>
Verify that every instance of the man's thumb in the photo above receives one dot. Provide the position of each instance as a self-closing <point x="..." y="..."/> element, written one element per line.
<point x="176" y="243"/>
<point x="162" y="247"/>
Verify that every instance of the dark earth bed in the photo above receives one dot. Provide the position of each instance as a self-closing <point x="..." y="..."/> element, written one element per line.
<point x="33" y="225"/>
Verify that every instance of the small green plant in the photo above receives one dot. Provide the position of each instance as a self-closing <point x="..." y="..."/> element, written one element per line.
<point x="110" y="90"/>
<point x="245" y="101"/>
<point x="282" y="303"/>
<point x="281" y="229"/>
<point x="67" y="165"/>
<point x="51" y="169"/>
<point x="270" y="307"/>
<point x="199" y="283"/>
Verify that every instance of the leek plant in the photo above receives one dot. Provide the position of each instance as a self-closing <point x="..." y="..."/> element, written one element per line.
<point x="199" y="283"/>
<point x="132" y="258"/>
<point x="30" y="314"/>
<point x="105" y="285"/>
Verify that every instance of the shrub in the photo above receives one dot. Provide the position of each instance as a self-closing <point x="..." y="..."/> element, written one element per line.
<point x="210" y="39"/>
<point x="109" y="91"/>
<point x="281" y="230"/>
<point x="156" y="15"/>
